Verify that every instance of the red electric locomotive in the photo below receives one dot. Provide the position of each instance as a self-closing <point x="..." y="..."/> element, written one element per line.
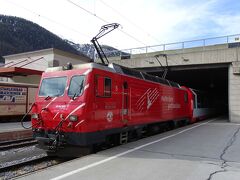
<point x="87" y="104"/>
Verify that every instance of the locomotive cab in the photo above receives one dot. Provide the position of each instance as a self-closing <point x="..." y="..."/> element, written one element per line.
<point x="59" y="106"/>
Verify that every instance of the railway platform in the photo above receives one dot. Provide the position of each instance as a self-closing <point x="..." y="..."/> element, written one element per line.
<point x="208" y="150"/>
<point x="14" y="130"/>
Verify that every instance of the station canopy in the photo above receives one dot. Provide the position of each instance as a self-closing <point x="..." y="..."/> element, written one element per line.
<point x="18" y="71"/>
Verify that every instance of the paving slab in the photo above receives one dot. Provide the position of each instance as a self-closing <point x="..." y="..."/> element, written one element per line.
<point x="13" y="131"/>
<point x="13" y="126"/>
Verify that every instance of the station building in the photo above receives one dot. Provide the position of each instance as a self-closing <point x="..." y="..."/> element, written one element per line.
<point x="27" y="67"/>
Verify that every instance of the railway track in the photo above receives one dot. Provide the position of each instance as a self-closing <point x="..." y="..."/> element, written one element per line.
<point x="18" y="164"/>
<point x="5" y="145"/>
<point x="31" y="164"/>
<point x="19" y="157"/>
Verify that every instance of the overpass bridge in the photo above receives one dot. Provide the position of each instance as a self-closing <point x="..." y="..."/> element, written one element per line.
<point x="207" y="64"/>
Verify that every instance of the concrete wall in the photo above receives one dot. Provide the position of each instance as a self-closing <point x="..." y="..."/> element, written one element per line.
<point x="42" y="64"/>
<point x="192" y="56"/>
<point x="65" y="57"/>
<point x="234" y="93"/>
<point x="63" y="60"/>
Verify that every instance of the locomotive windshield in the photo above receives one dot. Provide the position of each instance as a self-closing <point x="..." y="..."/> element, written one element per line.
<point x="53" y="87"/>
<point x="76" y="86"/>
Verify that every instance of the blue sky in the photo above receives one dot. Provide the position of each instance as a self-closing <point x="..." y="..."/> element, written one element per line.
<point x="143" y="22"/>
<point x="214" y="18"/>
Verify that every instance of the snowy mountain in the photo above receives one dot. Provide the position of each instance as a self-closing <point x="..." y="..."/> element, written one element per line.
<point x="89" y="50"/>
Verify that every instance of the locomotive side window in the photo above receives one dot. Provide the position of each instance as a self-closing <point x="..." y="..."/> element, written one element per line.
<point x="107" y="87"/>
<point x="53" y="87"/>
<point x="103" y="86"/>
<point x="76" y="86"/>
<point x="185" y="97"/>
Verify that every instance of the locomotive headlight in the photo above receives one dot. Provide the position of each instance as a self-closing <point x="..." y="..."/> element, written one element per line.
<point x="73" y="118"/>
<point x="34" y="116"/>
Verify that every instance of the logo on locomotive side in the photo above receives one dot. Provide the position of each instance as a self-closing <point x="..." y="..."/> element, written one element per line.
<point x="146" y="101"/>
<point x="149" y="102"/>
<point x="110" y="116"/>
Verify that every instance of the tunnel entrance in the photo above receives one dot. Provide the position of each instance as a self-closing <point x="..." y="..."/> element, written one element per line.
<point x="211" y="79"/>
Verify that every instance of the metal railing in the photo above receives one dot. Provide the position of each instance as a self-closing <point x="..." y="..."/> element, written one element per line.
<point x="198" y="43"/>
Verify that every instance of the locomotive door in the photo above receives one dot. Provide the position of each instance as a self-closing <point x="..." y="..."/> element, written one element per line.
<point x="125" y="103"/>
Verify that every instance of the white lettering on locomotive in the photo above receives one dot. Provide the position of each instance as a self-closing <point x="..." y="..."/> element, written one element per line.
<point x="167" y="99"/>
<point x="174" y="106"/>
<point x="62" y="107"/>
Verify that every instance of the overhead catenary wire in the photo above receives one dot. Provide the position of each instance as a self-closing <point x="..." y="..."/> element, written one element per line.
<point x="130" y="21"/>
<point x="105" y="21"/>
<point x="89" y="12"/>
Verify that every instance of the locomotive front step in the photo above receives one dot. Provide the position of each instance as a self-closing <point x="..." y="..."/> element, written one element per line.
<point x="123" y="137"/>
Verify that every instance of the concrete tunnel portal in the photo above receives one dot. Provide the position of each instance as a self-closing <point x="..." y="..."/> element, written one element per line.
<point x="210" y="79"/>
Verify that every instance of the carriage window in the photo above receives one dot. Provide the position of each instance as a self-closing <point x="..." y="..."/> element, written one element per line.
<point x="103" y="86"/>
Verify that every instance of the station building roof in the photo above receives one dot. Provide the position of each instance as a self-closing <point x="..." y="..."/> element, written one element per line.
<point x="33" y="63"/>
<point x="43" y="59"/>
<point x="18" y="71"/>
<point x="47" y="51"/>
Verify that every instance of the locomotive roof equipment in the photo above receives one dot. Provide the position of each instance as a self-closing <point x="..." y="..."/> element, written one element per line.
<point x="105" y="29"/>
